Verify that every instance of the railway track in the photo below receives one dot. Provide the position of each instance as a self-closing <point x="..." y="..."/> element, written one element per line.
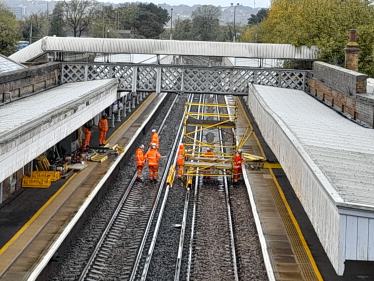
<point x="163" y="233"/>
<point x="212" y="251"/>
<point x="111" y="256"/>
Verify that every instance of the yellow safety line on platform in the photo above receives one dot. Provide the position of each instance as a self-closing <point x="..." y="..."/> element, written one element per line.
<point x="296" y="224"/>
<point x="34" y="217"/>
<point x="128" y="119"/>
<point x="268" y="165"/>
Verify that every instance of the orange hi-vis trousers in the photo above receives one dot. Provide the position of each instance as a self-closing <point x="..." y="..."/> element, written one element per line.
<point x="237" y="173"/>
<point x="153" y="172"/>
<point x="102" y="137"/>
<point x="180" y="170"/>
<point x="87" y="138"/>
<point x="140" y="170"/>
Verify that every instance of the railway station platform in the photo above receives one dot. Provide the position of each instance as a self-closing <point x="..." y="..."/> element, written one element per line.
<point x="325" y="188"/>
<point x="34" y="222"/>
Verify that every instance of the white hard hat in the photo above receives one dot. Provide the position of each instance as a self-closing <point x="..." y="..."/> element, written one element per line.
<point x="141" y="146"/>
<point x="239" y="150"/>
<point x="153" y="145"/>
<point x="154" y="131"/>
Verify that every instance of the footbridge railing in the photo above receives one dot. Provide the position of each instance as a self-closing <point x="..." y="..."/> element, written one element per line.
<point x="183" y="78"/>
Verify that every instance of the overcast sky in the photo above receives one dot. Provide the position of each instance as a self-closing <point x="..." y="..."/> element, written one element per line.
<point x="222" y="3"/>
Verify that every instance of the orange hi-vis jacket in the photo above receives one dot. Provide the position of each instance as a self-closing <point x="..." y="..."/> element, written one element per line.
<point x="238" y="160"/>
<point x="209" y="154"/>
<point x="155" y="140"/>
<point x="180" y="159"/>
<point x="87" y="132"/>
<point x="152" y="156"/>
<point x="103" y="125"/>
<point x="139" y="157"/>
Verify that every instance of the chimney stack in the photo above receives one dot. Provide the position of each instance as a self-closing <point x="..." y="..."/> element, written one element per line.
<point x="352" y="51"/>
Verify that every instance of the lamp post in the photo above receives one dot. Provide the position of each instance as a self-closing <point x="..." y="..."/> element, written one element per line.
<point x="103" y="21"/>
<point x="232" y="4"/>
<point x="171" y="22"/>
<point x="115" y="20"/>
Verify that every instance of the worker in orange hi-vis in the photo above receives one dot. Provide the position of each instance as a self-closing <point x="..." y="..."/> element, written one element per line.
<point x="180" y="160"/>
<point x="140" y="161"/>
<point x="154" y="139"/>
<point x="153" y="156"/>
<point x="103" y="127"/>
<point x="210" y="154"/>
<point x="238" y="160"/>
<point x="87" y="136"/>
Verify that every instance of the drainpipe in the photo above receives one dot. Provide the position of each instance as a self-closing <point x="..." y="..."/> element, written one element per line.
<point x="4" y="99"/>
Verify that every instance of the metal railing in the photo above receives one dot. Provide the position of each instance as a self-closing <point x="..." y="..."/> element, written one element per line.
<point x="184" y="78"/>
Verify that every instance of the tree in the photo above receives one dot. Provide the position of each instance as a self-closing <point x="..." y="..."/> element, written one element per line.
<point x="128" y="13"/>
<point x="37" y="23"/>
<point x="150" y="20"/>
<point x="58" y="26"/>
<point x="9" y="31"/>
<point x="252" y="33"/>
<point x="205" y="23"/>
<point x="325" y="24"/>
<point x="256" y="19"/>
<point x="78" y="15"/>
<point x="183" y="30"/>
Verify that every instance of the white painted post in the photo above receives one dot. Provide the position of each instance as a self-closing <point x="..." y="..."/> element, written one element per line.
<point x="124" y="105"/>
<point x="112" y="125"/>
<point x="110" y="112"/>
<point x="119" y="115"/>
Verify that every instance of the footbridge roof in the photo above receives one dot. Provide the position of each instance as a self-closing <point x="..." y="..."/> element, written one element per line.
<point x="163" y="47"/>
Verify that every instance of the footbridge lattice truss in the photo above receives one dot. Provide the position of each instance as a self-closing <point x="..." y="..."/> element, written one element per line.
<point x="183" y="78"/>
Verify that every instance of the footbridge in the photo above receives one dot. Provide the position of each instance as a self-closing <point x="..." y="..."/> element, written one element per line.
<point x="226" y="78"/>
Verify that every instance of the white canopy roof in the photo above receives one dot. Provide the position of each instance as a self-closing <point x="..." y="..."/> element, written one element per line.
<point x="7" y="64"/>
<point x="163" y="47"/>
<point x="343" y="150"/>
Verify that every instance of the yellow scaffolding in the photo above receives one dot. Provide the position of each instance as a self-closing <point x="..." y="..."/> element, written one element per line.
<point x="220" y="161"/>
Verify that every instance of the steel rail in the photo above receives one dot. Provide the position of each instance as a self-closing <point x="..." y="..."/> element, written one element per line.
<point x="115" y="214"/>
<point x="178" y="264"/>
<point x="151" y="217"/>
<point x="227" y="196"/>
<point x="106" y="231"/>
<point x="193" y="213"/>
<point x="155" y="233"/>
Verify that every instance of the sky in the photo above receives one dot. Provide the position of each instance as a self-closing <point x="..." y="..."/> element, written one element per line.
<point x="222" y="3"/>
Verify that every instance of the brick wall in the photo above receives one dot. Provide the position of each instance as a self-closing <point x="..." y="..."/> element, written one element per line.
<point x="342" y="89"/>
<point x="27" y="81"/>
